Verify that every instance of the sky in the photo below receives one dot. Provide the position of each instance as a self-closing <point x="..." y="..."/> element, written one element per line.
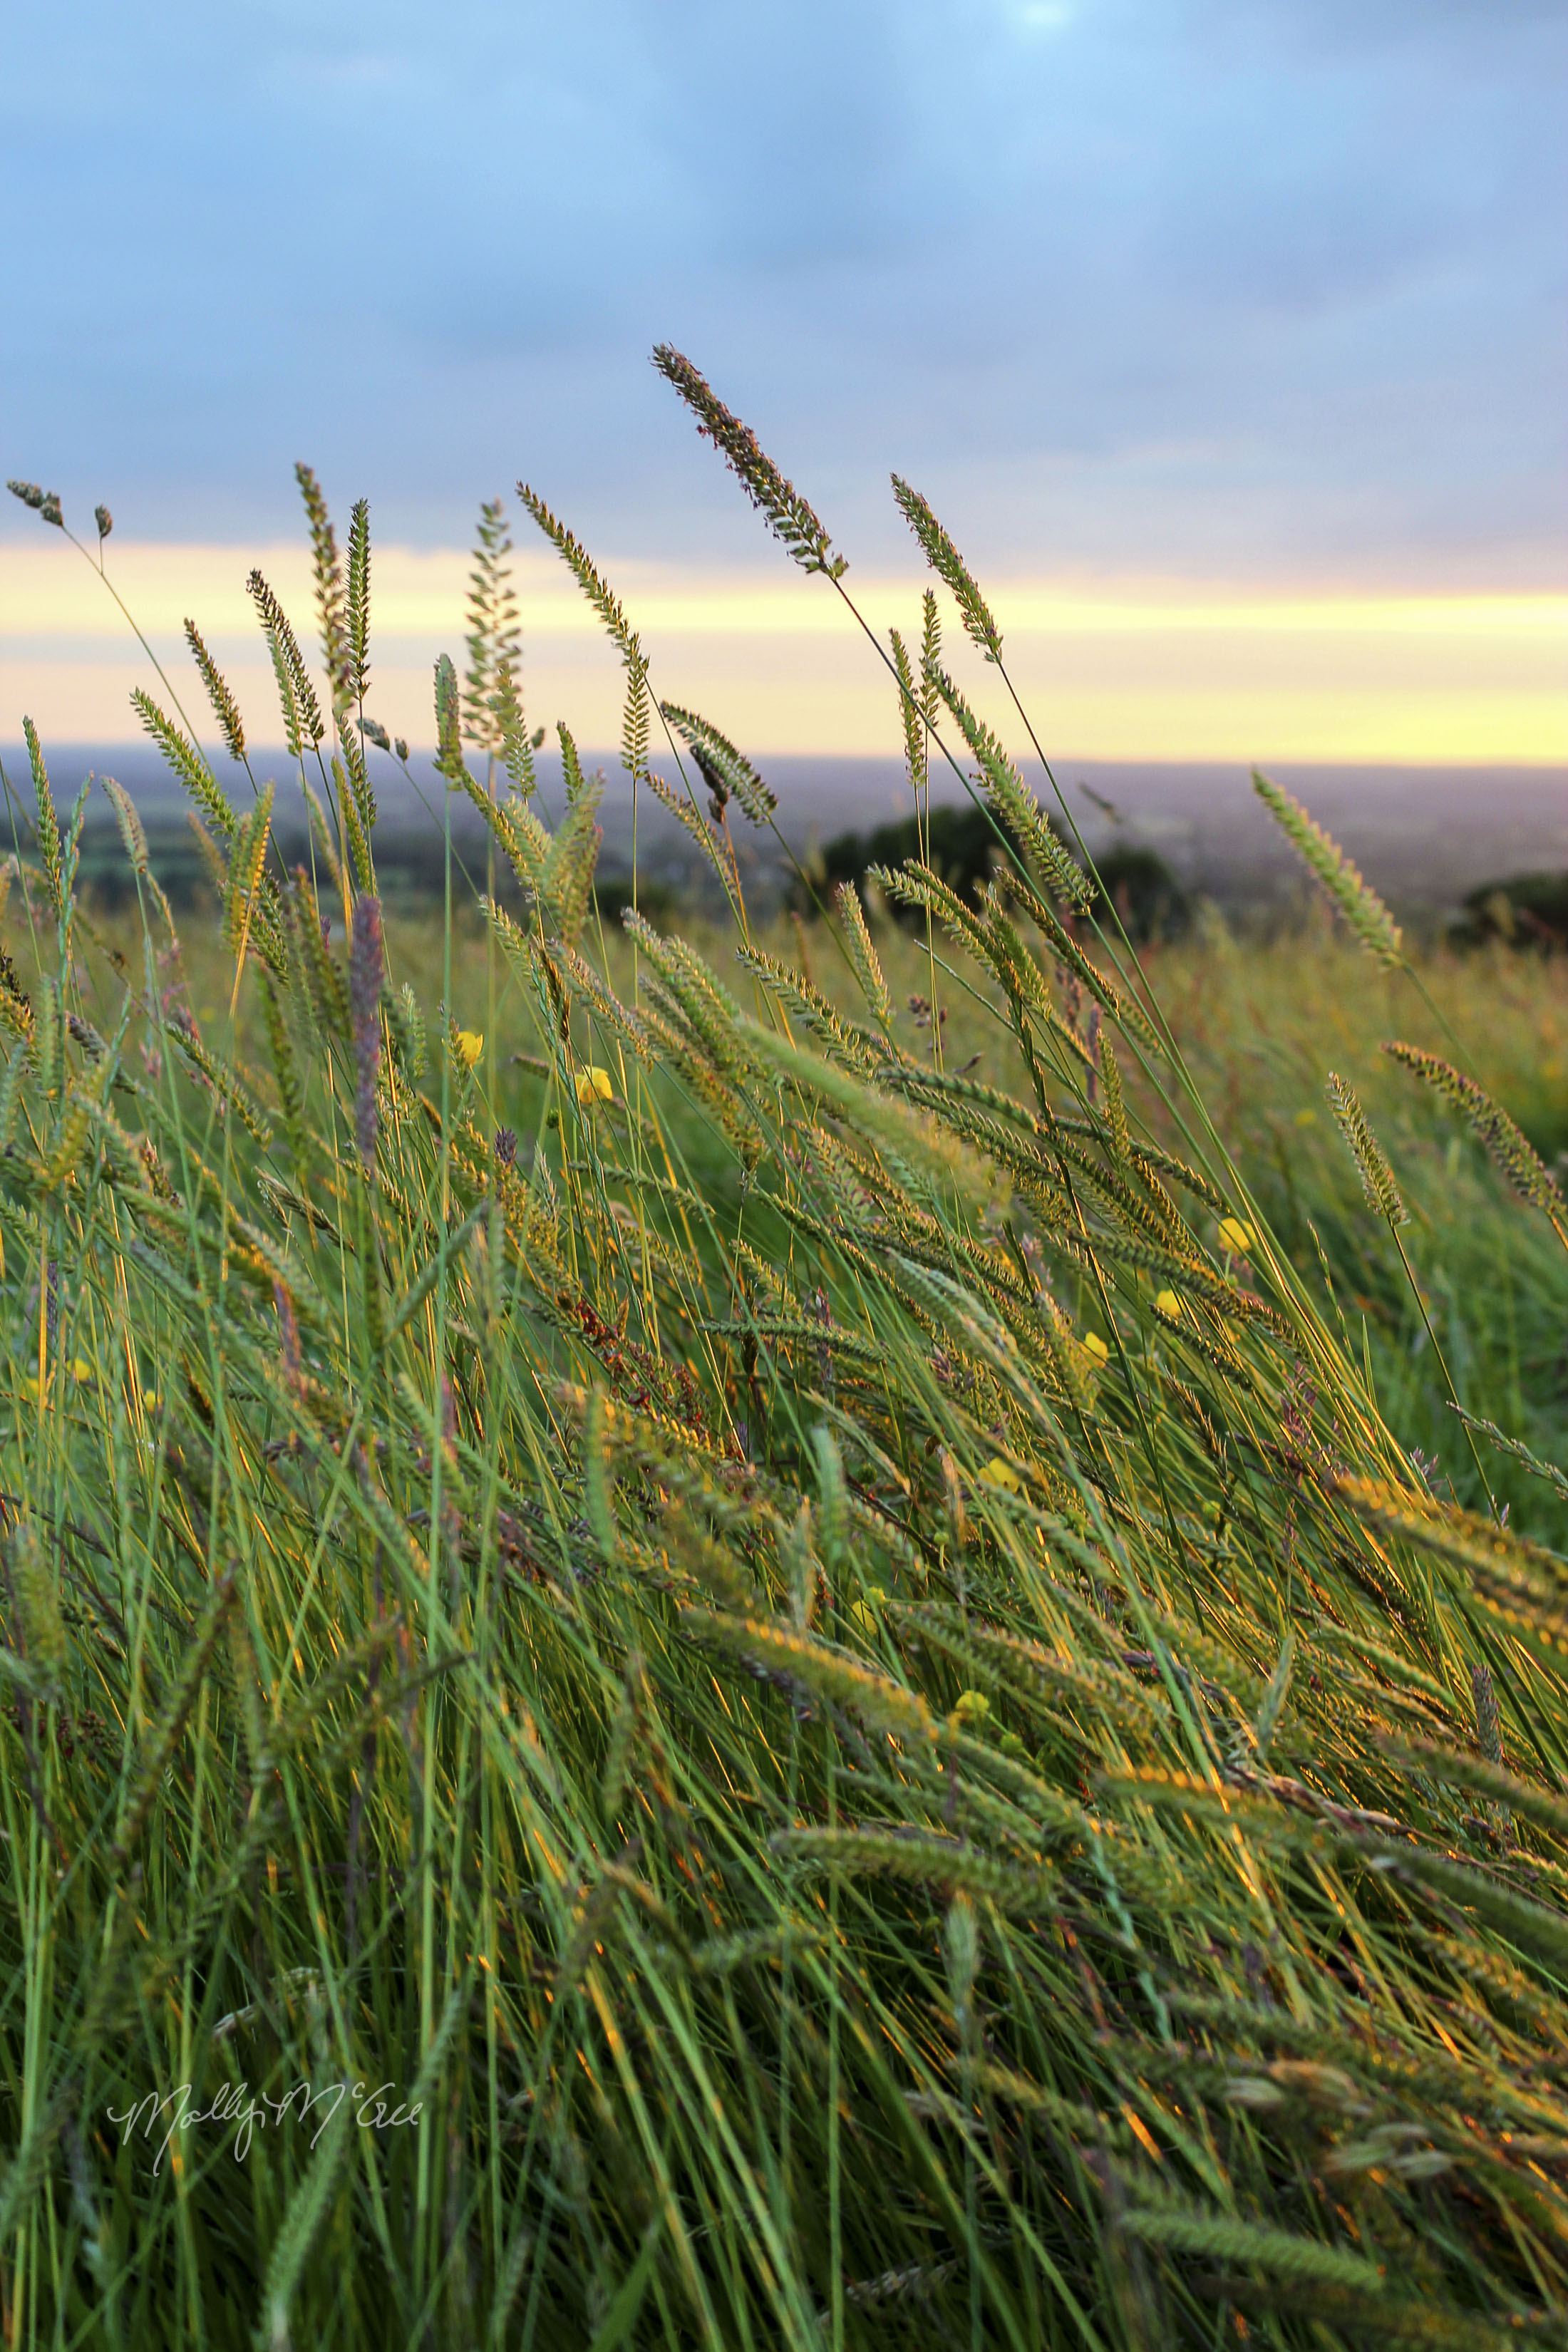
<point x="1229" y="338"/>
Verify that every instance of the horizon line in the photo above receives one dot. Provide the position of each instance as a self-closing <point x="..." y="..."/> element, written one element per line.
<point x="608" y="755"/>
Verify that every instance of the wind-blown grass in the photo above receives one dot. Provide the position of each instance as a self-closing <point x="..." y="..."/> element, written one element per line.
<point x="825" y="1672"/>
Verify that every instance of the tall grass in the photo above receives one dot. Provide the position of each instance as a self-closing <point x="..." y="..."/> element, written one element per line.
<point x="823" y="1676"/>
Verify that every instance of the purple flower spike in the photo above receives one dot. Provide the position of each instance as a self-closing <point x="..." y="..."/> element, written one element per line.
<point x="367" y="967"/>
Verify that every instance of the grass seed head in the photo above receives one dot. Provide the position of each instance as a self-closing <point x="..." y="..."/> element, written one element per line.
<point x="1376" y="1176"/>
<point x="945" y="560"/>
<point x="789" y="516"/>
<point x="1359" y="905"/>
<point x="1509" y="1149"/>
<point x="226" y="710"/>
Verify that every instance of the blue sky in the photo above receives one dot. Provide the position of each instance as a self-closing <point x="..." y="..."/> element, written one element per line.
<point x="1243" y="290"/>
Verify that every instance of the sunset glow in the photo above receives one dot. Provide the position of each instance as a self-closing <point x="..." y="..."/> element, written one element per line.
<point x="1111" y="669"/>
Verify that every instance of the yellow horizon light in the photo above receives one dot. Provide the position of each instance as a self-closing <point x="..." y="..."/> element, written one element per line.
<point x="46" y="589"/>
<point x="1110" y="670"/>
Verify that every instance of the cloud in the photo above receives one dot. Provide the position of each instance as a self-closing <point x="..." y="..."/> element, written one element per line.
<point x="1214" y="283"/>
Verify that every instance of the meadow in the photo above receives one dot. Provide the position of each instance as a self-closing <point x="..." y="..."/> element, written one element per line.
<point x="810" y="1636"/>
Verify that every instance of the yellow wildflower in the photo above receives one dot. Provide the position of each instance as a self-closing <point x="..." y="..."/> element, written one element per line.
<point x="470" y="1045"/>
<point x="594" y="1085"/>
<point x="1167" y="1302"/>
<point x="81" y="1371"/>
<point x="998" y="1472"/>
<point x="1237" y="1238"/>
<point x="973" y="1707"/>
<point x="1095" y="1347"/>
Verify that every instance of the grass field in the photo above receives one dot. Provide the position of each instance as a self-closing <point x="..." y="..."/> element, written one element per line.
<point x="1260" y="1028"/>
<point x="693" y="1658"/>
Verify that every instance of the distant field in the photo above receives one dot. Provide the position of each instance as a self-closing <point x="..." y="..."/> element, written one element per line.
<point x="1424" y="836"/>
